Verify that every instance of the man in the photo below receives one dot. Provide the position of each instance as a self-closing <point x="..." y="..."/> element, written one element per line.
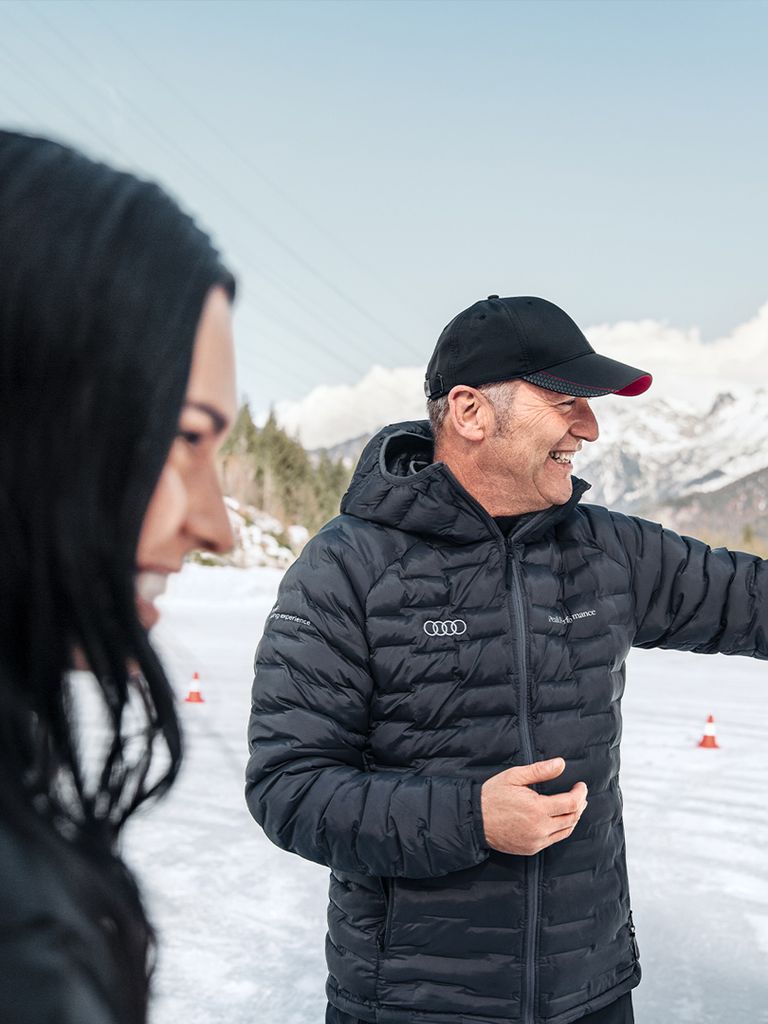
<point x="436" y="709"/>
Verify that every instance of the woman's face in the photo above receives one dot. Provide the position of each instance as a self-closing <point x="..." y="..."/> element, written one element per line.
<point x="186" y="511"/>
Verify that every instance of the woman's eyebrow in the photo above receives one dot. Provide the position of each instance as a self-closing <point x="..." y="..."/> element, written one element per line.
<point x="220" y="421"/>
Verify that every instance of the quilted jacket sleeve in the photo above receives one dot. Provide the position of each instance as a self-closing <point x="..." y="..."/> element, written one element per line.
<point x="306" y="781"/>
<point x="690" y="597"/>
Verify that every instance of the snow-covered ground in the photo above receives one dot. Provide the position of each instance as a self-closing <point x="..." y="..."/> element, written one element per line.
<point x="242" y="924"/>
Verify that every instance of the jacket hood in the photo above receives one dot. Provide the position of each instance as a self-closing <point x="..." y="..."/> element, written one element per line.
<point x="397" y="484"/>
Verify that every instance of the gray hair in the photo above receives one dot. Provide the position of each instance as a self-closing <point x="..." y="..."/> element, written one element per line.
<point x="500" y="396"/>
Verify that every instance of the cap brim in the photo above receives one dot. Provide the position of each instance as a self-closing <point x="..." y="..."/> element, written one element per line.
<point x="592" y="375"/>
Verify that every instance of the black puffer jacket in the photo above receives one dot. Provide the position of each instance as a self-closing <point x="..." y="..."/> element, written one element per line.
<point x="414" y="652"/>
<point x="53" y="965"/>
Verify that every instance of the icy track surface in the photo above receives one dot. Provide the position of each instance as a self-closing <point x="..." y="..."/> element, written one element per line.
<point x="242" y="924"/>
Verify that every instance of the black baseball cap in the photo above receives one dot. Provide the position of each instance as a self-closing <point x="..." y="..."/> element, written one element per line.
<point x="530" y="339"/>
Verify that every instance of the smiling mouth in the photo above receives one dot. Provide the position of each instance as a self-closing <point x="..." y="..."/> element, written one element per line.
<point x="562" y="458"/>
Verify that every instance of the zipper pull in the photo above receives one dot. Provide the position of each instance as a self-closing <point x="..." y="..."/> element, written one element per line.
<point x="508" y="572"/>
<point x="635" y="947"/>
<point x="514" y="552"/>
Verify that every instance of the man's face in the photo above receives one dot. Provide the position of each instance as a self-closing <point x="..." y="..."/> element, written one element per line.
<point x="532" y="448"/>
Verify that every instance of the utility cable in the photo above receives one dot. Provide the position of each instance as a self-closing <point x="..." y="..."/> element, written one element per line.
<point x="264" y="228"/>
<point x="249" y="164"/>
<point x="110" y="145"/>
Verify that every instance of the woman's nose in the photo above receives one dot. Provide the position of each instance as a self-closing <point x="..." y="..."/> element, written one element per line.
<point x="208" y="522"/>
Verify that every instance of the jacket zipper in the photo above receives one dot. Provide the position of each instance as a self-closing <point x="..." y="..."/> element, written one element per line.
<point x="514" y="586"/>
<point x="533" y="863"/>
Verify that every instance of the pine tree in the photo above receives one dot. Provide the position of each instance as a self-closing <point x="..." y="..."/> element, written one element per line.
<point x="268" y="468"/>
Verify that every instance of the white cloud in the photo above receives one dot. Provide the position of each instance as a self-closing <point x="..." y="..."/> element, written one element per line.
<point x="336" y="412"/>
<point x="682" y="364"/>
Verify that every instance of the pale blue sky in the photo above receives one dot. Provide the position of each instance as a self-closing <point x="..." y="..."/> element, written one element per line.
<point x="370" y="168"/>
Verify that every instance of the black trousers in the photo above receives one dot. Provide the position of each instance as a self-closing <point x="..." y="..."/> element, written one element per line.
<point x="619" y="1012"/>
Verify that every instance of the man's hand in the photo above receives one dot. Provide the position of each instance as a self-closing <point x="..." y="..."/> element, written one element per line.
<point x="518" y="820"/>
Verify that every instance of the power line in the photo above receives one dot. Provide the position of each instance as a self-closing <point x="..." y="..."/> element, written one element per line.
<point x="89" y="128"/>
<point x="20" y="106"/>
<point x="258" y="223"/>
<point x="143" y="122"/>
<point x="244" y="160"/>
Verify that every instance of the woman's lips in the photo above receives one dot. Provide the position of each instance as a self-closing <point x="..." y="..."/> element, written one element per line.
<point x="150" y="584"/>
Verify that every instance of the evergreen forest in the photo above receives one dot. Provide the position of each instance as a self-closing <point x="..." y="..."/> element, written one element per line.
<point x="267" y="468"/>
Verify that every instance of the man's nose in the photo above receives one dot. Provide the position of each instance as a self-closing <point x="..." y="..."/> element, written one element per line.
<point x="584" y="424"/>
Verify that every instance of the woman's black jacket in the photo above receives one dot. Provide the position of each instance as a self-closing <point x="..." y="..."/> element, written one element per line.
<point x="54" y="968"/>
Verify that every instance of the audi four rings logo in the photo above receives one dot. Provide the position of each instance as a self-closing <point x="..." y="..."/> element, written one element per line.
<point x="450" y="627"/>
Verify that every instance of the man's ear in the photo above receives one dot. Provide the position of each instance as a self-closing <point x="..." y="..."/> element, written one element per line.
<point x="470" y="413"/>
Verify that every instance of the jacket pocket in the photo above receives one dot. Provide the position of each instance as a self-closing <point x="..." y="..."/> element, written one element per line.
<point x="388" y="889"/>
<point x="633" y="938"/>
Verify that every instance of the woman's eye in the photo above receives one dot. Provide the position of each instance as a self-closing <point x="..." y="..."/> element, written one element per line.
<point x="192" y="437"/>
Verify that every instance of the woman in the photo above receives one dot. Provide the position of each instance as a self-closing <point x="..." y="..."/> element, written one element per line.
<point x="116" y="390"/>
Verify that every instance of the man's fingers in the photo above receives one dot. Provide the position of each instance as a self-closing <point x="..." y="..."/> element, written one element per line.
<point x="567" y="803"/>
<point x="539" y="771"/>
<point x="559" y="835"/>
<point x="519" y="820"/>
<point x="564" y="822"/>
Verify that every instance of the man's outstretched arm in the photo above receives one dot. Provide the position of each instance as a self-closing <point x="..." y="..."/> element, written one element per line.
<point x="690" y="597"/>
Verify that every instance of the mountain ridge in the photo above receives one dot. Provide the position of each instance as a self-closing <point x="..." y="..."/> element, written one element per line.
<point x="703" y="473"/>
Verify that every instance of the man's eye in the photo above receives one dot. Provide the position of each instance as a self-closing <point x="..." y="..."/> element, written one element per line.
<point x="569" y="404"/>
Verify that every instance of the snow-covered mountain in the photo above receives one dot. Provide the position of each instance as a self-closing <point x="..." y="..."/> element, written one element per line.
<point x="669" y="451"/>
<point x="702" y="472"/>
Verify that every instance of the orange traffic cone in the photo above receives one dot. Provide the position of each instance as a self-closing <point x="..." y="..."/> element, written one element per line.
<point x="709" y="739"/>
<point x="194" y="696"/>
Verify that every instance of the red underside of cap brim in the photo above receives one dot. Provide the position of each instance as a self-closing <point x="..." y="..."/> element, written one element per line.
<point x="637" y="387"/>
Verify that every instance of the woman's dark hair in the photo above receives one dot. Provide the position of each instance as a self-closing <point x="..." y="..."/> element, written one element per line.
<point x="102" y="283"/>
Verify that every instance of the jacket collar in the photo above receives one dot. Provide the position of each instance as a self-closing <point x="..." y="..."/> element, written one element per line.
<point x="397" y="484"/>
